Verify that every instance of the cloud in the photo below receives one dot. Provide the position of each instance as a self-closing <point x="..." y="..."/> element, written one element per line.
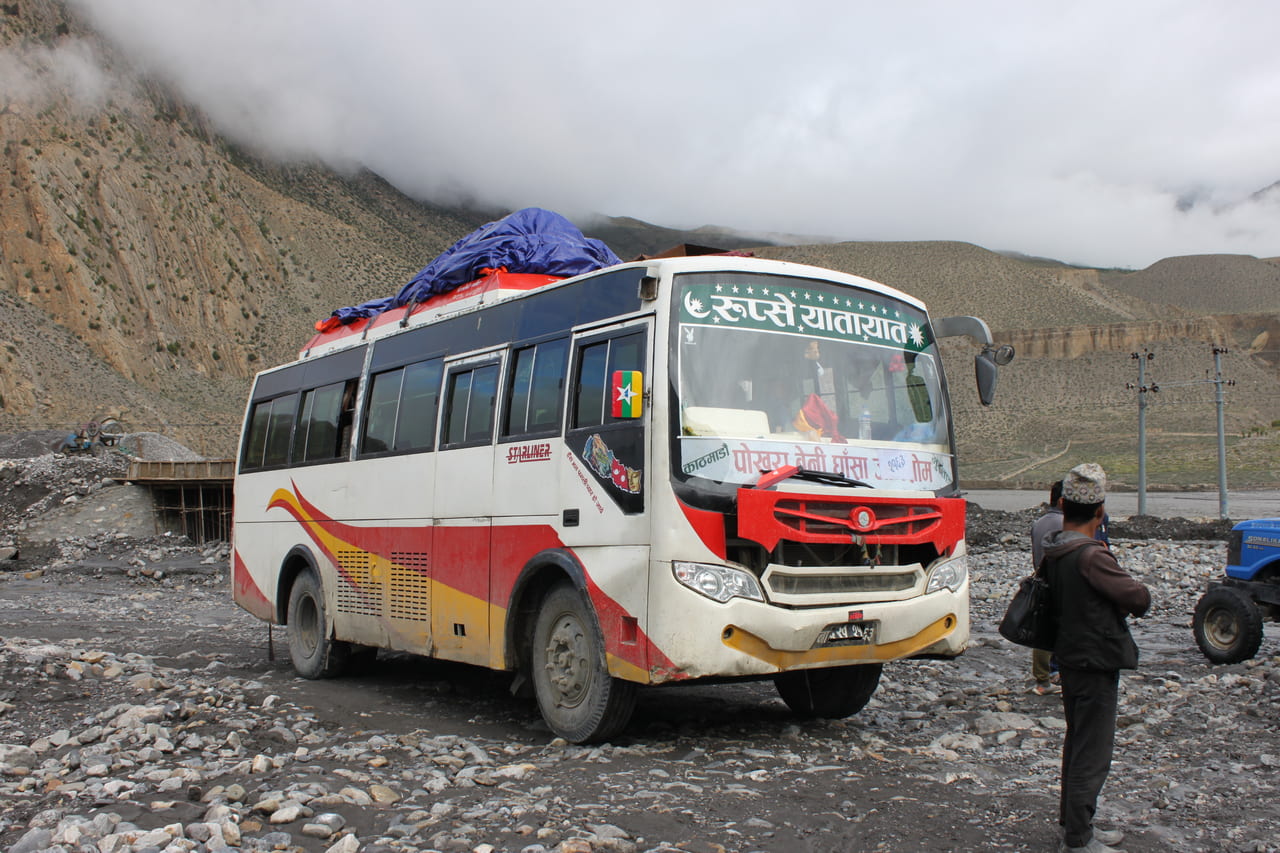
<point x="1071" y="131"/>
<point x="39" y="75"/>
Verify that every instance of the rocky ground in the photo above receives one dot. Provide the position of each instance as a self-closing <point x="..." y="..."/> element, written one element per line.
<point x="140" y="710"/>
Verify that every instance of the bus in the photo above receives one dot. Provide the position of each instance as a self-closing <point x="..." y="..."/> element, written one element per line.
<point x="668" y="471"/>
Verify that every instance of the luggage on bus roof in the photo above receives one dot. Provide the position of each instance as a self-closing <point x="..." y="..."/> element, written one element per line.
<point x="531" y="240"/>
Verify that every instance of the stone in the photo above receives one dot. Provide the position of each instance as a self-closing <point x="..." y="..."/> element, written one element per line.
<point x="16" y="758"/>
<point x="384" y="795"/>
<point x="346" y="844"/>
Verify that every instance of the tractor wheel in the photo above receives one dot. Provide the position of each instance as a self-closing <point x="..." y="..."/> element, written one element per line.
<point x="110" y="431"/>
<point x="1227" y="625"/>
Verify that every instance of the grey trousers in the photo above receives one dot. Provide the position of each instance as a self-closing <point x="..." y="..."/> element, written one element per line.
<point x="1089" y="702"/>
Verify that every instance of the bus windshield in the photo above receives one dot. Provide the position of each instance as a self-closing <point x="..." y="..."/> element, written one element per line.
<point x="772" y="371"/>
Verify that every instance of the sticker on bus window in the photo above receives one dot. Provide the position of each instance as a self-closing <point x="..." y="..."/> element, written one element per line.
<point x="628" y="394"/>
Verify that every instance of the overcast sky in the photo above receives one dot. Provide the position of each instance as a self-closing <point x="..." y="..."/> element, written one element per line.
<point x="1101" y="133"/>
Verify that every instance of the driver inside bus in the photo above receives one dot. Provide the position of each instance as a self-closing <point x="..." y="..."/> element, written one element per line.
<point x="793" y="391"/>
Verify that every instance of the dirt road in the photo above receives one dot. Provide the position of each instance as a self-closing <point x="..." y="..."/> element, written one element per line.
<point x="1240" y="504"/>
<point x="144" y="704"/>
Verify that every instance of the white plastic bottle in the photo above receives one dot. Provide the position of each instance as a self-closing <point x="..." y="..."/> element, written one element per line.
<point x="864" y="423"/>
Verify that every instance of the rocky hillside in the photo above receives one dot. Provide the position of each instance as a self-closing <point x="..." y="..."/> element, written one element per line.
<point x="1193" y="284"/>
<point x="149" y="268"/>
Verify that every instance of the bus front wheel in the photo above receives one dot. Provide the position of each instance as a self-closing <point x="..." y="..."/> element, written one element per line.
<point x="830" y="693"/>
<point x="578" y="698"/>
<point x="314" y="652"/>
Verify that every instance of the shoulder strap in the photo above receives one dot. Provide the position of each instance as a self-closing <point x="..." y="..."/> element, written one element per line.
<point x="1039" y="572"/>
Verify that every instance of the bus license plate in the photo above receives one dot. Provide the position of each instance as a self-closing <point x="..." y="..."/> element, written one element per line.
<point x="851" y="633"/>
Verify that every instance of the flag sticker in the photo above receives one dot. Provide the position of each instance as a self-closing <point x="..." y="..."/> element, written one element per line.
<point x="628" y="392"/>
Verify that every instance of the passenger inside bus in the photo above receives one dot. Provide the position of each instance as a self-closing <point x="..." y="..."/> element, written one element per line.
<point x="346" y="417"/>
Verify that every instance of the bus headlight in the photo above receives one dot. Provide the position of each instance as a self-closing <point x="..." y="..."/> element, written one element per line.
<point x="949" y="575"/>
<point x="719" y="583"/>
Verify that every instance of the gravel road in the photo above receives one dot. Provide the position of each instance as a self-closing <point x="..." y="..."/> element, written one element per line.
<point x="140" y="710"/>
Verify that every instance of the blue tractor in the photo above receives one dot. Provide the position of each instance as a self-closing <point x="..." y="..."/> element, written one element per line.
<point x="1229" y="616"/>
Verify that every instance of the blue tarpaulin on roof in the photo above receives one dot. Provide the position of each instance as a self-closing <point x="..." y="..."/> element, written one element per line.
<point x="531" y="240"/>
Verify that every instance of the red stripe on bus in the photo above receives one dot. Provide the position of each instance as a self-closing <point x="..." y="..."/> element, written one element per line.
<point x="482" y="561"/>
<point x="246" y="592"/>
<point x="709" y="526"/>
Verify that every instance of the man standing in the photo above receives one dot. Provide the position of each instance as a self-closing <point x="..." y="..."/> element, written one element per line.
<point x="1090" y="596"/>
<point x="1050" y="522"/>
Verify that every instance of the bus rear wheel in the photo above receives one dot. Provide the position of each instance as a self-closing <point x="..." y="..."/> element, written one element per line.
<point x="830" y="693"/>
<point x="315" y="654"/>
<point x="578" y="698"/>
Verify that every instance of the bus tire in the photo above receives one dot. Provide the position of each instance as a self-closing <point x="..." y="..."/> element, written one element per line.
<point x="831" y="693"/>
<point x="578" y="698"/>
<point x="1227" y="625"/>
<point x="315" y="654"/>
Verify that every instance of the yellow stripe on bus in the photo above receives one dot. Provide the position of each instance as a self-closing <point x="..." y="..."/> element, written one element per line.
<point x="626" y="670"/>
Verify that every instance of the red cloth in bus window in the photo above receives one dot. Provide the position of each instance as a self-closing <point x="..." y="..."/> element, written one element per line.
<point x="817" y="419"/>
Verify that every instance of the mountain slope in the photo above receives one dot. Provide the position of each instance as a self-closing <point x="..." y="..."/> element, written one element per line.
<point x="1205" y="284"/>
<point x="172" y="256"/>
<point x="960" y="278"/>
<point x="149" y="266"/>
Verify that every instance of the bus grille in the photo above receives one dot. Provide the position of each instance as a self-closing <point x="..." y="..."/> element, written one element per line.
<point x="786" y="584"/>
<point x="767" y="517"/>
<point x="808" y="518"/>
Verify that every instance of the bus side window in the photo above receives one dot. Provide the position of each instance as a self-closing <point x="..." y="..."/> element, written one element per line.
<point x="304" y="426"/>
<point x="318" y="433"/>
<point x="416" y="424"/>
<point x="625" y="353"/>
<point x="256" y="439"/>
<point x="596" y="363"/>
<point x="280" y="430"/>
<point x="537" y="381"/>
<point x="484" y="396"/>
<point x="469" y="405"/>
<point x="384" y="402"/>
<point x="347" y="417"/>
<point x="548" y="385"/>
<point x="589" y="406"/>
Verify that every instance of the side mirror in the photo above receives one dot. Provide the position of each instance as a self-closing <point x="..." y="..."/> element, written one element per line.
<point x="986" y="367"/>
<point x="985" y="364"/>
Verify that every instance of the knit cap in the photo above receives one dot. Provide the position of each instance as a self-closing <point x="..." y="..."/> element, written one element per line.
<point x="1085" y="484"/>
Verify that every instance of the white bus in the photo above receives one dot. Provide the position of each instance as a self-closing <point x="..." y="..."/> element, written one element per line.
<point x="688" y="468"/>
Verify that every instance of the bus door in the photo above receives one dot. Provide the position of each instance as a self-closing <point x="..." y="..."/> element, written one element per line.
<point x="606" y="437"/>
<point x="604" y="481"/>
<point x="463" y="500"/>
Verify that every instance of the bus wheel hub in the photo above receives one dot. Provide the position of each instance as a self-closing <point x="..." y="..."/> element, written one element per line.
<point x="567" y="668"/>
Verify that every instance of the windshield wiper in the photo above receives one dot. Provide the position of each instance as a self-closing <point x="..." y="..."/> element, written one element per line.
<point x="777" y="475"/>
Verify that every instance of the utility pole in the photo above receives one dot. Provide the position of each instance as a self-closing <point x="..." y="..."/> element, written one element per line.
<point x="1222" y="435"/>
<point x="1142" y="359"/>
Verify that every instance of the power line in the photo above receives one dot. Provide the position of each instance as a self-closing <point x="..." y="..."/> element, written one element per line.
<point x="1219" y="401"/>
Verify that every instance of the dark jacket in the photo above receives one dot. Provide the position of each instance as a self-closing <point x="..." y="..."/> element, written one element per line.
<point x="1090" y="596"/>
